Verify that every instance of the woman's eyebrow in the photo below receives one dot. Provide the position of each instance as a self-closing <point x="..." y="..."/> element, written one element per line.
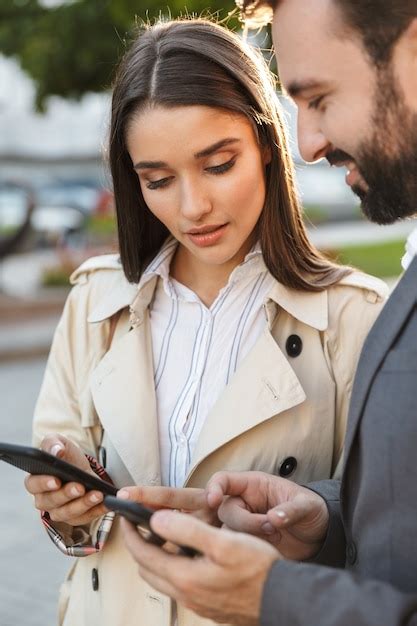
<point x="215" y="147"/>
<point x="148" y="165"/>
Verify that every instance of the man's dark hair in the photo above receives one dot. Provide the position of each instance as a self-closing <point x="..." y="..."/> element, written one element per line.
<point x="379" y="23"/>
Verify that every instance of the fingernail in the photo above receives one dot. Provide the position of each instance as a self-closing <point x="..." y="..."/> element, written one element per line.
<point x="56" y="449"/>
<point x="163" y="516"/>
<point x="282" y="515"/>
<point x="94" y="497"/>
<point x="125" y="495"/>
<point x="267" y="528"/>
<point x="75" y="491"/>
<point x="52" y="484"/>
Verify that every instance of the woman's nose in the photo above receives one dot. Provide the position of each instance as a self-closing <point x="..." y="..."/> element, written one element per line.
<point x="195" y="202"/>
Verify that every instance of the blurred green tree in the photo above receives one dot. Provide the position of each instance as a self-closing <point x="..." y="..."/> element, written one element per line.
<point x="73" y="46"/>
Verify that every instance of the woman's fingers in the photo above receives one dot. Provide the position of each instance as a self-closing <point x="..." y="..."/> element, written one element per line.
<point x="64" y="449"/>
<point x="40" y="484"/>
<point x="79" y="511"/>
<point x="54" y="444"/>
<point x="46" y="501"/>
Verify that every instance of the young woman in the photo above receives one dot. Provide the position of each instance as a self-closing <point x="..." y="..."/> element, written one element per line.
<point x="235" y="341"/>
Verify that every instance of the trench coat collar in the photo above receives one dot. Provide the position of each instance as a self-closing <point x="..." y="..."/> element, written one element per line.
<point x="123" y="295"/>
<point x="308" y="307"/>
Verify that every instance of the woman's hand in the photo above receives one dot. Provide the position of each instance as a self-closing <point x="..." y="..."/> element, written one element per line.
<point x="67" y="503"/>
<point x="292" y="518"/>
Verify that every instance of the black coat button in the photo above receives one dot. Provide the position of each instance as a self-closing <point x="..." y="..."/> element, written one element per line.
<point x="288" y="467"/>
<point x="294" y="346"/>
<point x="351" y="553"/>
<point x="94" y="578"/>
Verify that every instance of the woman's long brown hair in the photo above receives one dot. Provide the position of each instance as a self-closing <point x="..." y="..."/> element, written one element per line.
<point x="197" y="62"/>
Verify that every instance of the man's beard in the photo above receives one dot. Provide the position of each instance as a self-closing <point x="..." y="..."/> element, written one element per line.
<point x="388" y="161"/>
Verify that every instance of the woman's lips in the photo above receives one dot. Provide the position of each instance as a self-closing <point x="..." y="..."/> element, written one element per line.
<point x="207" y="237"/>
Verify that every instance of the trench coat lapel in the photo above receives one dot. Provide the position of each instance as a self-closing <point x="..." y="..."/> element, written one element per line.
<point x="263" y="386"/>
<point x="123" y="393"/>
<point x="378" y="343"/>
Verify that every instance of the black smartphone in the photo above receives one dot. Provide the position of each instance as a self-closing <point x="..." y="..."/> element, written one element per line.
<point x="37" y="461"/>
<point x="140" y="516"/>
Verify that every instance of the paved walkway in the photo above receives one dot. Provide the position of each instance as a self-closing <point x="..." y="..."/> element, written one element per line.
<point x="31" y="567"/>
<point x="26" y="339"/>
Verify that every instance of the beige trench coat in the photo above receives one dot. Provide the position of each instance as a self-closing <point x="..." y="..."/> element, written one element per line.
<point x="274" y="408"/>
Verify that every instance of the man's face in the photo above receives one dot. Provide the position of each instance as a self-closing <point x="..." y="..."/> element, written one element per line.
<point x="350" y="112"/>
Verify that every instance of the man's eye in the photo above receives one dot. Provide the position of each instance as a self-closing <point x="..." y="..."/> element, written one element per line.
<point x="158" y="184"/>
<point x="223" y="167"/>
<point x="314" y="104"/>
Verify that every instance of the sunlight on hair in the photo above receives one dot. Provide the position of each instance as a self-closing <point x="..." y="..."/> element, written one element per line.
<point x="254" y="15"/>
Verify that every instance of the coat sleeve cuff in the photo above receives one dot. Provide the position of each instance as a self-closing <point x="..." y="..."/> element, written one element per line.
<point x="333" y="550"/>
<point x="81" y="540"/>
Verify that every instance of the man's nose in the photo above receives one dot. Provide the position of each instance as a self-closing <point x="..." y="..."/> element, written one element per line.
<point x="195" y="201"/>
<point x="312" y="143"/>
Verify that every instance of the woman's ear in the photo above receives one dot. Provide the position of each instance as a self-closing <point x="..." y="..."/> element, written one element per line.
<point x="266" y="155"/>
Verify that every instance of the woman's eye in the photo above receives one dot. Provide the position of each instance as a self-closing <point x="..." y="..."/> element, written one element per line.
<point x="314" y="104"/>
<point x="223" y="167"/>
<point x="158" y="184"/>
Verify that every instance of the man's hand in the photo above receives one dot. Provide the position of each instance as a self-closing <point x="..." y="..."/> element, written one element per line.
<point x="292" y="518"/>
<point x="225" y="584"/>
<point x="187" y="500"/>
<point x="67" y="503"/>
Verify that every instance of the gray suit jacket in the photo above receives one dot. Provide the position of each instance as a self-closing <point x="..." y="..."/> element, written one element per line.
<point x="366" y="573"/>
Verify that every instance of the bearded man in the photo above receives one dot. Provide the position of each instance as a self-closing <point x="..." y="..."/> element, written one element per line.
<point x="351" y="68"/>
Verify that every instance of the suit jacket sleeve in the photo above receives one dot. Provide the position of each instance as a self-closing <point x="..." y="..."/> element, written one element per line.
<point x="333" y="551"/>
<point x="297" y="594"/>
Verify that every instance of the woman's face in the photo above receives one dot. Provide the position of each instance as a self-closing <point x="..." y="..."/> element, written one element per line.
<point x="202" y="174"/>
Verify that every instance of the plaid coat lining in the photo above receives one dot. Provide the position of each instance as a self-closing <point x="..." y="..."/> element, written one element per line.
<point x="86" y="544"/>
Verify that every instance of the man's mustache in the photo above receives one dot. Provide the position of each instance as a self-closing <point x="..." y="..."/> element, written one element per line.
<point x="337" y="157"/>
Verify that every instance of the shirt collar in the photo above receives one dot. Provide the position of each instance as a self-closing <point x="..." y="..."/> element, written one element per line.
<point x="410" y="249"/>
<point x="253" y="264"/>
<point x="311" y="308"/>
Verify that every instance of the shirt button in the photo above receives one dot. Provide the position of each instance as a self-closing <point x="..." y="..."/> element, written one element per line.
<point x="351" y="553"/>
<point x="94" y="578"/>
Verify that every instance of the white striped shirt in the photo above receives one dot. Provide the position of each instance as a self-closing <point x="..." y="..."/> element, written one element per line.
<point x="196" y="350"/>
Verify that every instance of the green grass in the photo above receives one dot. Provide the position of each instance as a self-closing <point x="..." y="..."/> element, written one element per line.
<point x="381" y="259"/>
<point x="56" y="276"/>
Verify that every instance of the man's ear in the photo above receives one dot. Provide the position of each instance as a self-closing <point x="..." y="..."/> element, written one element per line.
<point x="405" y="63"/>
